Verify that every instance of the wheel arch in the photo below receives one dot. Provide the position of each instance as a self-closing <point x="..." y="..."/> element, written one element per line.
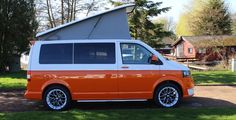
<point x="174" y="82"/>
<point x="56" y="84"/>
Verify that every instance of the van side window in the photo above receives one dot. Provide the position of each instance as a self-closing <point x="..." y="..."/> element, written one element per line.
<point x="135" y="54"/>
<point x="94" y="53"/>
<point x="56" y="54"/>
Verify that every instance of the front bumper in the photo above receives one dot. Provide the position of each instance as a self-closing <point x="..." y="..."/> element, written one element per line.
<point x="191" y="91"/>
<point x="188" y="87"/>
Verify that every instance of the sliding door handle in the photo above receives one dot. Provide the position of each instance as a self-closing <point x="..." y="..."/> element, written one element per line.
<point x="125" y="67"/>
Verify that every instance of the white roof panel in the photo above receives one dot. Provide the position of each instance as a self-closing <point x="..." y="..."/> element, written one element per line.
<point x="128" y="8"/>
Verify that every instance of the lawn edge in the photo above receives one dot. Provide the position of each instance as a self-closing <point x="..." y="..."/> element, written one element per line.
<point x="215" y="84"/>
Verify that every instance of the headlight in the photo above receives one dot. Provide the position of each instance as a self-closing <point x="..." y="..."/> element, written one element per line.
<point x="186" y="73"/>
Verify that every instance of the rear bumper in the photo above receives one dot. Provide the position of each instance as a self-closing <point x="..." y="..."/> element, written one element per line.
<point x="33" y="95"/>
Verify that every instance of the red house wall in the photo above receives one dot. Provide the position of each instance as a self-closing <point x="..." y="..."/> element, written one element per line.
<point x="185" y="53"/>
<point x="209" y="55"/>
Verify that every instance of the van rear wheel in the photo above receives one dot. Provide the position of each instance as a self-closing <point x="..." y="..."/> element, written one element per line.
<point x="57" y="98"/>
<point x="167" y="95"/>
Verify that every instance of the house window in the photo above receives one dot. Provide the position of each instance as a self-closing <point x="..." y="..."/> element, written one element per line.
<point x="232" y="49"/>
<point x="202" y="50"/>
<point x="190" y="50"/>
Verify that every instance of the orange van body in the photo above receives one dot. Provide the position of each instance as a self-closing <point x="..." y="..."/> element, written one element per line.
<point x="82" y="86"/>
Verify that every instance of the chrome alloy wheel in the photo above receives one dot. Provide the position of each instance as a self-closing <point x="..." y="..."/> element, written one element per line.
<point x="56" y="99"/>
<point x="168" y="96"/>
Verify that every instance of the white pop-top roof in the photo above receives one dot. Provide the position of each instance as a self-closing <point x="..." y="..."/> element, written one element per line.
<point x="129" y="8"/>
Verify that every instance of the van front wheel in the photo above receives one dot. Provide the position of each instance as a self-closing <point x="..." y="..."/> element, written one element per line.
<point x="167" y="95"/>
<point x="57" y="98"/>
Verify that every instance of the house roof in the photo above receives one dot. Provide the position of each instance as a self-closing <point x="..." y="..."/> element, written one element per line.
<point x="128" y="8"/>
<point x="208" y="41"/>
<point x="167" y="40"/>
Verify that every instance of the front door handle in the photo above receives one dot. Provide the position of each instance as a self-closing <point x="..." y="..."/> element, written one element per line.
<point x="125" y="67"/>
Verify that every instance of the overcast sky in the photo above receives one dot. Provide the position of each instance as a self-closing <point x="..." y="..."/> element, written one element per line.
<point x="177" y="7"/>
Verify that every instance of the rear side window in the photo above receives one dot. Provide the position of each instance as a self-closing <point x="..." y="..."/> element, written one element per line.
<point x="94" y="53"/>
<point x="56" y="54"/>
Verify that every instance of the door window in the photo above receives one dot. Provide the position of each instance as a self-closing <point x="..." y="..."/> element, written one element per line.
<point x="135" y="54"/>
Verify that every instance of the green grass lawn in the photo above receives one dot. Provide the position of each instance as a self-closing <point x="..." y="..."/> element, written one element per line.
<point x="13" y="80"/>
<point x="18" y="81"/>
<point x="128" y="114"/>
<point x="214" y="77"/>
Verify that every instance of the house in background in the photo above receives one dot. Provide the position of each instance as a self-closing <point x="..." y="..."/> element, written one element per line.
<point x="166" y="49"/>
<point x="208" y="48"/>
<point x="24" y="59"/>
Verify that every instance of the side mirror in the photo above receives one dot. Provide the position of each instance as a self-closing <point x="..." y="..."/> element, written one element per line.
<point x="154" y="59"/>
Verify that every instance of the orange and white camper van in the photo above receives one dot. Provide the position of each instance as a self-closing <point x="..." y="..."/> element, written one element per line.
<point x="104" y="70"/>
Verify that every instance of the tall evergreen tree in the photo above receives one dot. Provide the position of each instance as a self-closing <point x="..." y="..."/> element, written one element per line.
<point x="234" y="23"/>
<point x="141" y="27"/>
<point x="205" y="17"/>
<point x="213" y="19"/>
<point x="17" y="27"/>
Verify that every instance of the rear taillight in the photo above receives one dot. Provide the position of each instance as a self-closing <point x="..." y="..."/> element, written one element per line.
<point x="28" y="76"/>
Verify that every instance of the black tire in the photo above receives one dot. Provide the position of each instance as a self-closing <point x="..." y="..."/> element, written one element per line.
<point x="62" y="97"/>
<point x="161" y="97"/>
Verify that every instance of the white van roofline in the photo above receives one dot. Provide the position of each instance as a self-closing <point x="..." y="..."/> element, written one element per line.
<point x="90" y="41"/>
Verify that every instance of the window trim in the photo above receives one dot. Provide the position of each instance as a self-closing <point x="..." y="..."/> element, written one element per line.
<point x="135" y="63"/>
<point x="73" y="55"/>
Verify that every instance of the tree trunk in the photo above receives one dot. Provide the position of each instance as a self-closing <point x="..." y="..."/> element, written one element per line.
<point x="2" y="63"/>
<point x="136" y="34"/>
<point x="53" y="19"/>
<point x="68" y="11"/>
<point x="62" y="11"/>
<point x="49" y="14"/>
<point x="14" y="65"/>
<point x="74" y="10"/>
<point x="227" y="55"/>
<point x="71" y="10"/>
<point x="90" y="7"/>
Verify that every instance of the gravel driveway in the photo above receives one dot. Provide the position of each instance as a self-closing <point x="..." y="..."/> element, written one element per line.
<point x="205" y="96"/>
<point x="212" y="96"/>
